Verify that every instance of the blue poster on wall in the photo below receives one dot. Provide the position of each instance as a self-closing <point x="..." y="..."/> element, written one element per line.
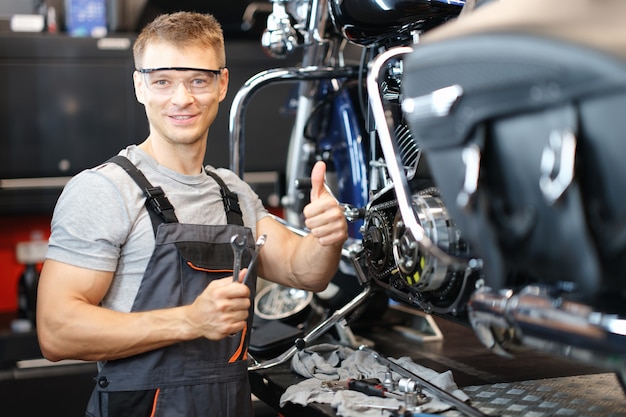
<point x="86" y="17"/>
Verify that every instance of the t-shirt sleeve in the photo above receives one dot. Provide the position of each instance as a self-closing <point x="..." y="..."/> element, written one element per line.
<point x="90" y="223"/>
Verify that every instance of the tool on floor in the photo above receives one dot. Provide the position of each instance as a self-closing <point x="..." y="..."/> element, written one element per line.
<point x="427" y="385"/>
<point x="388" y="382"/>
<point x="238" y="248"/>
<point x="259" y="244"/>
<point x="413" y="395"/>
<point x="369" y="386"/>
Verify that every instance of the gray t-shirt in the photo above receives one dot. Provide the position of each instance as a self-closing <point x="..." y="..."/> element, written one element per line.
<point x="100" y="221"/>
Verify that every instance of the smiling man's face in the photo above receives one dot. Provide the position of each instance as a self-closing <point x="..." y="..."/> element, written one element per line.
<point x="181" y="118"/>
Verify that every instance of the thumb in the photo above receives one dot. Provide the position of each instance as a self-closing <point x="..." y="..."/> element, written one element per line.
<point x="317" y="180"/>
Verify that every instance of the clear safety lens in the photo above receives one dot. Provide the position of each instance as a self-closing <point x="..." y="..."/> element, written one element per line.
<point x="166" y="80"/>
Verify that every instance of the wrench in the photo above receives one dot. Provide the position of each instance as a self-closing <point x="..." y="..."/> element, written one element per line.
<point x="259" y="244"/>
<point x="238" y="248"/>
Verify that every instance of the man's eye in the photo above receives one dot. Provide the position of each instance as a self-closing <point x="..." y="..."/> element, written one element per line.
<point x="161" y="82"/>
<point x="199" y="82"/>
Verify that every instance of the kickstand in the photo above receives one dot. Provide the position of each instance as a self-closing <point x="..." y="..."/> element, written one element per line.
<point x="421" y="327"/>
<point x="348" y="338"/>
<point x="333" y="320"/>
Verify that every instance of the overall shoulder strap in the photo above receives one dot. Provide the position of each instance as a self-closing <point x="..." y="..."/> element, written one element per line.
<point x="230" y="200"/>
<point x="159" y="207"/>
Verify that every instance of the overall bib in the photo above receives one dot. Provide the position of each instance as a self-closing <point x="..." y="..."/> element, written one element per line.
<point x="195" y="378"/>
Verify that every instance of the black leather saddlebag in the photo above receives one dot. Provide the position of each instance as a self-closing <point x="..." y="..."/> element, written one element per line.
<point x="522" y="119"/>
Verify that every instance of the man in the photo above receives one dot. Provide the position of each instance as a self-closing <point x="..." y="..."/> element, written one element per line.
<point x="149" y="293"/>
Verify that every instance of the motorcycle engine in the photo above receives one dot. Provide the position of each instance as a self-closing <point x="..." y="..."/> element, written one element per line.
<point x="396" y="261"/>
<point x="394" y="257"/>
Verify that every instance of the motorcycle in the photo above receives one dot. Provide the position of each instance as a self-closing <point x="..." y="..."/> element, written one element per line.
<point x="410" y="192"/>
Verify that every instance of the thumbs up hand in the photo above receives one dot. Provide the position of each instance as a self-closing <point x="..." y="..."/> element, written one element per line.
<point x="323" y="215"/>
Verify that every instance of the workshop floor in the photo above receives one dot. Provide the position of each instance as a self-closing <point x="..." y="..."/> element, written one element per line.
<point x="597" y="395"/>
<point x="530" y="385"/>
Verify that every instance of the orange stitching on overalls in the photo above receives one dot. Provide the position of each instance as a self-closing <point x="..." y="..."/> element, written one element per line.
<point x="197" y="268"/>
<point x="240" y="348"/>
<point x="154" y="403"/>
<point x="243" y="333"/>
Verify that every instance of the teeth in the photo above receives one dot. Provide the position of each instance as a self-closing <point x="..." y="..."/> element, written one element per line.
<point x="181" y="117"/>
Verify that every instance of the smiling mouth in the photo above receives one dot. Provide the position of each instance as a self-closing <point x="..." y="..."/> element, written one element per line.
<point x="184" y="117"/>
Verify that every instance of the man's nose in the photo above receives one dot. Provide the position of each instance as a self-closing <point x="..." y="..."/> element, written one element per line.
<point x="181" y="93"/>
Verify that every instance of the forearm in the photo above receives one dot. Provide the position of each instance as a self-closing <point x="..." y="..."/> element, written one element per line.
<point x="72" y="324"/>
<point x="88" y="332"/>
<point x="306" y="262"/>
<point x="314" y="265"/>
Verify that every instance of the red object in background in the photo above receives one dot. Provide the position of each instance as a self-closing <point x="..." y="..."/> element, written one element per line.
<point x="13" y="230"/>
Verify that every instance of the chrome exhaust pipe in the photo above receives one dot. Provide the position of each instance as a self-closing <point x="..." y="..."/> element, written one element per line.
<point x="505" y="322"/>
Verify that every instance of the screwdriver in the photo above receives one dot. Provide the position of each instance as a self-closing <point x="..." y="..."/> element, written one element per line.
<point x="370" y="386"/>
<point x="367" y="386"/>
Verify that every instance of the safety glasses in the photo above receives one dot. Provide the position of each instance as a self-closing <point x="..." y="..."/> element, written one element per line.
<point x="167" y="79"/>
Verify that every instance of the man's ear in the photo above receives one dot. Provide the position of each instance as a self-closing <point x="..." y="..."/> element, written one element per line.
<point x="223" y="84"/>
<point x="138" y="83"/>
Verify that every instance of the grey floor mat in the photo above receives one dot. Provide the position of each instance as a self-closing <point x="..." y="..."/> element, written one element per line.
<point x="597" y="395"/>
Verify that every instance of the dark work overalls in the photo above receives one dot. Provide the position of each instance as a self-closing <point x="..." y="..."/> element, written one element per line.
<point x="196" y="378"/>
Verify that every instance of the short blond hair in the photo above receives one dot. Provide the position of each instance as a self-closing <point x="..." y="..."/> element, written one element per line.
<point x="182" y="29"/>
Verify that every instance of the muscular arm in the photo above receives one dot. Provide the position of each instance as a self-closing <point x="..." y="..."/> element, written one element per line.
<point x="307" y="262"/>
<point x="71" y="324"/>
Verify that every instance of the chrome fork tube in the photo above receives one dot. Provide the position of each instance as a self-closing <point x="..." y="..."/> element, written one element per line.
<point x="298" y="154"/>
<point x="395" y="167"/>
